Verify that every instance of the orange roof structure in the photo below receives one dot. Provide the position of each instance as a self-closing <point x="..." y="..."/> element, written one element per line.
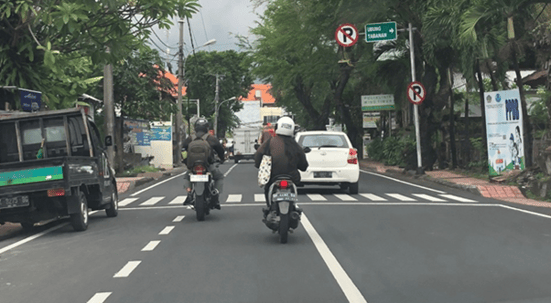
<point x="174" y="80"/>
<point x="260" y="92"/>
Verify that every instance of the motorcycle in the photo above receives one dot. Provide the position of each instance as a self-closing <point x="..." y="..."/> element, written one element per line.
<point x="283" y="213"/>
<point x="202" y="190"/>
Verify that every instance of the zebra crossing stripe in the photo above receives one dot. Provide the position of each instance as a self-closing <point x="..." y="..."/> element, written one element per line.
<point x="259" y="198"/>
<point x="316" y="197"/>
<point x="430" y="198"/>
<point x="456" y="198"/>
<point x="178" y="200"/>
<point x="152" y="201"/>
<point x="373" y="197"/>
<point x="345" y="197"/>
<point x="401" y="197"/>
<point x="127" y="201"/>
<point x="234" y="198"/>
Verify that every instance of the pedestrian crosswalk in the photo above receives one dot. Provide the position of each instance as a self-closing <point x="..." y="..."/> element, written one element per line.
<point x="259" y="198"/>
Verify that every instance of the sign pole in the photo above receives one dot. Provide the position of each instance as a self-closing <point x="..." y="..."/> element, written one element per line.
<point x="415" y="106"/>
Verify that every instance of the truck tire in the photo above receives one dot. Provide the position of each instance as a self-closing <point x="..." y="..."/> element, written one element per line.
<point x="27" y="226"/>
<point x="79" y="221"/>
<point x="113" y="209"/>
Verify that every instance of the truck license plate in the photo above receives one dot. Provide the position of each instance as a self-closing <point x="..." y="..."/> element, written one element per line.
<point x="12" y="202"/>
<point x="323" y="174"/>
<point x="199" y="178"/>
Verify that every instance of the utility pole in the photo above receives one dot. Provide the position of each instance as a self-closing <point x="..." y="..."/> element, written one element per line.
<point x="109" y="109"/>
<point x="216" y="100"/>
<point x="177" y="132"/>
<point x="415" y="106"/>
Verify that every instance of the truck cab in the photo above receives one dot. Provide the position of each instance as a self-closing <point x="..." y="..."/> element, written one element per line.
<point x="54" y="165"/>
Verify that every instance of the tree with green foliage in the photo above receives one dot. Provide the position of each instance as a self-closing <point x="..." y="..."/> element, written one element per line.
<point x="41" y="40"/>
<point x="235" y="81"/>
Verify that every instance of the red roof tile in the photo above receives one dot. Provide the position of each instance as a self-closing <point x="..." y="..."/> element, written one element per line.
<point x="265" y="96"/>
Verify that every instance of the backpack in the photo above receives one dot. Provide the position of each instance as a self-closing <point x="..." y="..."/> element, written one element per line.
<point x="198" y="150"/>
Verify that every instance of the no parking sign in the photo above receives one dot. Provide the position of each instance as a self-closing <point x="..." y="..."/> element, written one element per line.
<point x="346" y="35"/>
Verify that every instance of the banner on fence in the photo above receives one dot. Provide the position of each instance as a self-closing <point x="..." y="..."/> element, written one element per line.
<point x="504" y="131"/>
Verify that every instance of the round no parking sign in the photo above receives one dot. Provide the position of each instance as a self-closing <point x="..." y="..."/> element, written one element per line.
<point x="416" y="92"/>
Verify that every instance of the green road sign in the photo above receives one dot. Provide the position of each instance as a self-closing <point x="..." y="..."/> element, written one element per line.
<point x="376" y="32"/>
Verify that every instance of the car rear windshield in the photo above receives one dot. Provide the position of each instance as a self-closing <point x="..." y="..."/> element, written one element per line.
<point x="323" y="141"/>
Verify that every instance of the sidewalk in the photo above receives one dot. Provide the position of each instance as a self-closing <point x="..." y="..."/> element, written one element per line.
<point x="484" y="188"/>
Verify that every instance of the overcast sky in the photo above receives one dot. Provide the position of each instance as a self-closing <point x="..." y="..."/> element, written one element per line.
<point x="217" y="19"/>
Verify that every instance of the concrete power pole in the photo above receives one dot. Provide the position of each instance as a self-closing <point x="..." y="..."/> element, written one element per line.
<point x="216" y="100"/>
<point x="179" y="122"/>
<point x="109" y="110"/>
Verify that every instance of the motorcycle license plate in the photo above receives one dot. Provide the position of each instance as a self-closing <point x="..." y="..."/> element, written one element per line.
<point x="323" y="174"/>
<point x="284" y="197"/>
<point x="12" y="202"/>
<point x="199" y="178"/>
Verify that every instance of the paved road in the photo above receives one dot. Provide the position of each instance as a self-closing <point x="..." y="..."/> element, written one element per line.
<point x="393" y="242"/>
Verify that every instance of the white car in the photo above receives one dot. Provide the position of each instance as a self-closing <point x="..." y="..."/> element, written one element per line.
<point x="332" y="159"/>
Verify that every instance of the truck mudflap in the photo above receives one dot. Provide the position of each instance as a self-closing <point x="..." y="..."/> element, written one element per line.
<point x="73" y="203"/>
<point x="32" y="175"/>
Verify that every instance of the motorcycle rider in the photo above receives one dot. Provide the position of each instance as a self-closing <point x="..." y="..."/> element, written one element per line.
<point x="202" y="128"/>
<point x="287" y="155"/>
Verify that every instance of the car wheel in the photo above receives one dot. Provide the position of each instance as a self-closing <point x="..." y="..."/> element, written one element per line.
<point x="113" y="209"/>
<point x="79" y="221"/>
<point x="343" y="185"/>
<point x="353" y="188"/>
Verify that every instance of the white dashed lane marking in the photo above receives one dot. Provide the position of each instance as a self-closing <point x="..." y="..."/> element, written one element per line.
<point x="344" y="197"/>
<point x="259" y="198"/>
<point x="100" y="297"/>
<point x="430" y="198"/>
<point x="151" y="246"/>
<point x="127" y="201"/>
<point x="179" y="200"/>
<point x="373" y="197"/>
<point x="152" y="201"/>
<point x="401" y="197"/>
<point x="127" y="269"/>
<point x="456" y="198"/>
<point x="234" y="198"/>
<point x="178" y="219"/>
<point x="166" y="230"/>
<point x="316" y="197"/>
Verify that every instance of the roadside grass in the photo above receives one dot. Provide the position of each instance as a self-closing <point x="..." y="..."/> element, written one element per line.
<point x="138" y="170"/>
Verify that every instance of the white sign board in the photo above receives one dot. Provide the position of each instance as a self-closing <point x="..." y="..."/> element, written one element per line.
<point x="504" y="131"/>
<point x="378" y="103"/>
<point x="370" y="119"/>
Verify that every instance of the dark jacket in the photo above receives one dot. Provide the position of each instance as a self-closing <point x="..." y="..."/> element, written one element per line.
<point x="283" y="162"/>
<point x="213" y="142"/>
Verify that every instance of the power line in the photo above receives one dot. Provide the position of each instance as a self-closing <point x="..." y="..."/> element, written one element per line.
<point x="161" y="40"/>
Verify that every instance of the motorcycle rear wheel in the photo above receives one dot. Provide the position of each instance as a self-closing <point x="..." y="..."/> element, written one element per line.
<point x="283" y="228"/>
<point x="200" y="208"/>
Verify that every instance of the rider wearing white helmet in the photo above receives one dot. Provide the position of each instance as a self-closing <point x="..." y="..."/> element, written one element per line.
<point x="287" y="155"/>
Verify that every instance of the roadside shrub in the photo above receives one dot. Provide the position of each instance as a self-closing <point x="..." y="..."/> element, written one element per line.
<point x="393" y="151"/>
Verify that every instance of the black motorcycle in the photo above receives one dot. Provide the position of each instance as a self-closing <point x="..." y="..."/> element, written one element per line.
<point x="283" y="213"/>
<point x="202" y="189"/>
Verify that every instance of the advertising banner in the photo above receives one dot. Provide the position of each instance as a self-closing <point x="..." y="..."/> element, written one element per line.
<point x="30" y="100"/>
<point x="161" y="133"/>
<point x="370" y="119"/>
<point x="504" y="131"/>
<point x="378" y="102"/>
<point x="137" y="131"/>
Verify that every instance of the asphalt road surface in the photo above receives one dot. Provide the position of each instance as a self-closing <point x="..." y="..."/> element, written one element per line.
<point x="393" y="242"/>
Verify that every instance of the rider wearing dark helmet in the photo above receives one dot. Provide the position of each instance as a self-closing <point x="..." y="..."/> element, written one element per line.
<point x="202" y="129"/>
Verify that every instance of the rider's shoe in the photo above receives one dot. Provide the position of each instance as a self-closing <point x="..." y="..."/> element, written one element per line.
<point x="188" y="200"/>
<point x="216" y="202"/>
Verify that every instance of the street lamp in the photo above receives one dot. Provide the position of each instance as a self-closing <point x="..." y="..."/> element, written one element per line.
<point x="217" y="108"/>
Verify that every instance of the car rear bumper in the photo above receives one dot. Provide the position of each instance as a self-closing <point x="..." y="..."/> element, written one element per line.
<point x="349" y="174"/>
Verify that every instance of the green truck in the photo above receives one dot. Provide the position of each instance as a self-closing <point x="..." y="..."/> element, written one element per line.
<point x="53" y="165"/>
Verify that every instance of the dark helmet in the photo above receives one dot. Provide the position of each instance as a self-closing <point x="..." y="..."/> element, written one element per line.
<point x="201" y="125"/>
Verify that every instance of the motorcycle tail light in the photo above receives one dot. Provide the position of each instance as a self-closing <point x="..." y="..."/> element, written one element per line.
<point x="283" y="184"/>
<point x="199" y="170"/>
<point x="352" y="156"/>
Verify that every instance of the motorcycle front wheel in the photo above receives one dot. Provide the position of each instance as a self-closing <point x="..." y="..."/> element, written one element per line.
<point x="283" y="228"/>
<point x="200" y="208"/>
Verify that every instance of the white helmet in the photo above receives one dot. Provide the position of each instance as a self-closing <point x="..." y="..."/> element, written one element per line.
<point x="285" y="127"/>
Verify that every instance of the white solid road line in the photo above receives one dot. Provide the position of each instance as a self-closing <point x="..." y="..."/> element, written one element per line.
<point x="229" y="170"/>
<point x="127" y="201"/>
<point x="345" y="197"/>
<point x="179" y="200"/>
<point x="99" y="297"/>
<point x="166" y="230"/>
<point x="156" y="184"/>
<point x="347" y="286"/>
<point x="40" y="234"/>
<point x="179" y="219"/>
<point x="456" y="198"/>
<point x="127" y="269"/>
<point x="151" y="245"/>
<point x="234" y="198"/>
<point x="430" y="198"/>
<point x="403" y="182"/>
<point x="401" y="197"/>
<point x="373" y="197"/>
<point x="259" y="198"/>
<point x="316" y="197"/>
<point x="152" y="201"/>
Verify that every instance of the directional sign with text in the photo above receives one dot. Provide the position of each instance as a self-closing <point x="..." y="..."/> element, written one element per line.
<point x="376" y="32"/>
<point x="346" y="35"/>
<point x="416" y="92"/>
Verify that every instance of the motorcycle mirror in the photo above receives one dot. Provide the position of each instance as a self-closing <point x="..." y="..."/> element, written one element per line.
<point x="256" y="146"/>
<point x="307" y="149"/>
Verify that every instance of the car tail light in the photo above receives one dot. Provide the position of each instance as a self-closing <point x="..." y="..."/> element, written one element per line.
<point x="56" y="192"/>
<point x="199" y="170"/>
<point x="283" y="184"/>
<point x="353" y="156"/>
